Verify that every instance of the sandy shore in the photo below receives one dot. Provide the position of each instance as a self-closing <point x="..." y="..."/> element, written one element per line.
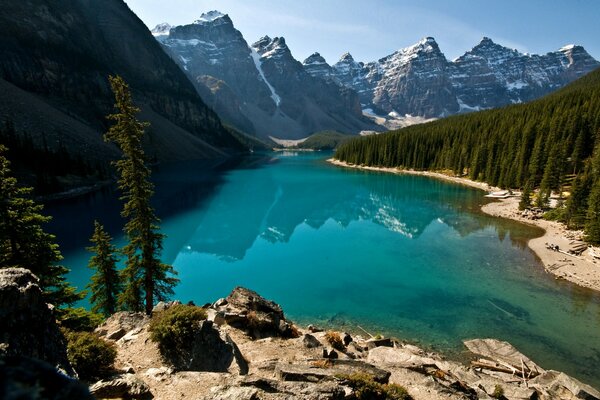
<point x="582" y="270"/>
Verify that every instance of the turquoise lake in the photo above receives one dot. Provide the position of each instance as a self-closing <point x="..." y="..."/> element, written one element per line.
<point x="406" y="256"/>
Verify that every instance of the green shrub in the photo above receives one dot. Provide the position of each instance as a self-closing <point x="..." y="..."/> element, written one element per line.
<point x="335" y="340"/>
<point x="556" y="214"/>
<point x="498" y="392"/>
<point x="78" y="319"/>
<point x="365" y="388"/>
<point x="174" y="327"/>
<point x="91" y="356"/>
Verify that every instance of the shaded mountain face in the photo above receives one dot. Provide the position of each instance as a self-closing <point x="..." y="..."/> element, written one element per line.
<point x="260" y="89"/>
<point x="55" y="59"/>
<point x="420" y="81"/>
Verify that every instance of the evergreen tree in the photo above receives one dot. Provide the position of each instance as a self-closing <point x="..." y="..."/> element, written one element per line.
<point x="146" y="278"/>
<point x="23" y="242"/>
<point x="525" y="202"/>
<point x="105" y="284"/>
<point x="592" y="227"/>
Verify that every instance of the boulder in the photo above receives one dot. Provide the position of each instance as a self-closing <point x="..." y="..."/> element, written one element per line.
<point x="28" y="325"/>
<point x="504" y="352"/>
<point x="372" y="343"/>
<point x="557" y="385"/>
<point x="295" y="390"/>
<point x="209" y="350"/>
<point x="260" y="318"/>
<point x="121" y="322"/>
<point x="399" y="357"/>
<point x="310" y="342"/>
<point x="346" y="338"/>
<point x="124" y="386"/>
<point x="27" y="378"/>
<point x="334" y="368"/>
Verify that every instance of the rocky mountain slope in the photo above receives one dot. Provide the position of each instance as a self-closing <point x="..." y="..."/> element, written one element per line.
<point x="55" y="58"/>
<point x="261" y="88"/>
<point x="420" y="81"/>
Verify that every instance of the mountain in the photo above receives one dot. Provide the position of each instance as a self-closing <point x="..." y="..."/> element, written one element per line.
<point x="420" y="81"/>
<point x="260" y="89"/>
<point x="55" y="59"/>
<point x="551" y="143"/>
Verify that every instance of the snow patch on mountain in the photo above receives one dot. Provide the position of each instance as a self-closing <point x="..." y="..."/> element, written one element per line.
<point x="209" y="17"/>
<point x="161" y="30"/>
<point x="257" y="61"/>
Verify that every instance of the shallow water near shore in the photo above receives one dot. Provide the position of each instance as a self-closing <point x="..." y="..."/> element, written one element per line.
<point x="407" y="256"/>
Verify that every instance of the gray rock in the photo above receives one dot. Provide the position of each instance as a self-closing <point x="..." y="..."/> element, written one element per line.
<point x="28" y="326"/>
<point x="335" y="368"/>
<point x="347" y="339"/>
<point x="160" y="306"/>
<point x="209" y="350"/>
<point x="314" y="329"/>
<point x="310" y="342"/>
<point x="399" y="357"/>
<point x="233" y="393"/>
<point x="123" y="386"/>
<point x="122" y="320"/>
<point x="372" y="343"/>
<point x="557" y="385"/>
<point x="31" y="379"/>
<point x="330" y="353"/>
<point x="261" y="318"/>
<point x="116" y="335"/>
<point x="270" y="389"/>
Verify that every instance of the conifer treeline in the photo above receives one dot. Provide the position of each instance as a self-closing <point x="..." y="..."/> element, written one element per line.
<point x="548" y="144"/>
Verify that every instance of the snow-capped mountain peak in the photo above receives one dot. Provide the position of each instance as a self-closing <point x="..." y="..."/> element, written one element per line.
<point x="566" y="48"/>
<point x="209" y="17"/>
<point x="271" y="48"/>
<point x="314" y="58"/>
<point x="161" y="29"/>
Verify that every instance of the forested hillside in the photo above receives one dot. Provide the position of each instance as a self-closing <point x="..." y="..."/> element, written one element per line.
<point x="552" y="144"/>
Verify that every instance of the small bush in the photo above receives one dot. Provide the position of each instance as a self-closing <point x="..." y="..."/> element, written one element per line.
<point x="365" y="388"/>
<point x="174" y="327"/>
<point x="91" y="356"/>
<point x="78" y="319"/>
<point x="498" y="392"/>
<point x="556" y="214"/>
<point x="335" y="340"/>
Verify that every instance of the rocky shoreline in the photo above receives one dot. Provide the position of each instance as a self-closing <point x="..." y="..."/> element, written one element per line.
<point x="246" y="349"/>
<point x="271" y="358"/>
<point x="583" y="269"/>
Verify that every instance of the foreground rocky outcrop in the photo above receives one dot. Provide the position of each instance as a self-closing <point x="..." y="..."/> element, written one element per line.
<point x="28" y="326"/>
<point x="306" y="366"/>
<point x="258" y="354"/>
<point x="33" y="353"/>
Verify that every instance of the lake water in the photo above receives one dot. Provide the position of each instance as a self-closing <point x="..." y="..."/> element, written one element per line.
<point x="406" y="256"/>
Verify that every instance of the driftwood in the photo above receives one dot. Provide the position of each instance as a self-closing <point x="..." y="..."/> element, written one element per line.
<point x="503" y="357"/>
<point x="505" y="368"/>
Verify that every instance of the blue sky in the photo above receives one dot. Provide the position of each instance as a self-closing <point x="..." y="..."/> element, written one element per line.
<point x="372" y="29"/>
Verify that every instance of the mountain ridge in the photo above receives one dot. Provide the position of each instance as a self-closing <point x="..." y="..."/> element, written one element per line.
<point x="488" y="75"/>
<point x="263" y="89"/>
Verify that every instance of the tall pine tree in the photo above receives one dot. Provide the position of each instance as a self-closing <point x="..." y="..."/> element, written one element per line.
<point x="105" y="284"/>
<point x="23" y="242"/>
<point x="146" y="277"/>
